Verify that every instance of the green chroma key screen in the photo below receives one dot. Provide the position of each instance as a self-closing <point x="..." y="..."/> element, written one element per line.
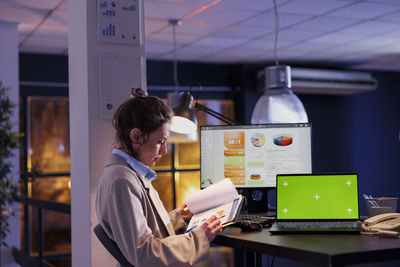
<point x="320" y="196"/>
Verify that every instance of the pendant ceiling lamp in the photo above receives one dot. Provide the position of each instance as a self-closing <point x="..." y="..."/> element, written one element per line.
<point x="278" y="104"/>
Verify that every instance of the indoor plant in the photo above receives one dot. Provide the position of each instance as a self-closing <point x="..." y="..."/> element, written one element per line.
<point x="8" y="142"/>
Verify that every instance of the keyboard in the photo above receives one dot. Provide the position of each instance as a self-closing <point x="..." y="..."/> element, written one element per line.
<point x="322" y="225"/>
<point x="253" y="218"/>
<point x="315" y="227"/>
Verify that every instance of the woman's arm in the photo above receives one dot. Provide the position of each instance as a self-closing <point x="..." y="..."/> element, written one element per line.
<point x="180" y="218"/>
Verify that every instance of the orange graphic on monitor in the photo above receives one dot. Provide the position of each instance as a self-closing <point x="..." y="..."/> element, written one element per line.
<point x="234" y="140"/>
<point x="234" y="153"/>
<point x="234" y="174"/>
<point x="234" y="167"/>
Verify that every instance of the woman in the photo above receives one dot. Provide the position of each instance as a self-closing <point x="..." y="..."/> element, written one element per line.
<point x="129" y="208"/>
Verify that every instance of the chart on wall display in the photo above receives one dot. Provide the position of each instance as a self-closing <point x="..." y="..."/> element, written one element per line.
<point x="119" y="21"/>
<point x="252" y="155"/>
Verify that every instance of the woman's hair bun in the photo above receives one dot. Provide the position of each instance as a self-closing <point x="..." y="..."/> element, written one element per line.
<point x="138" y="92"/>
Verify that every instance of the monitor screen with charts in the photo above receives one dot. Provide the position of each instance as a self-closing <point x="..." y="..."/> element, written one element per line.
<point x="317" y="197"/>
<point x="252" y="155"/>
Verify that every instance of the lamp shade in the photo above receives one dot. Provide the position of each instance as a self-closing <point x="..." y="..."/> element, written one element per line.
<point x="184" y="120"/>
<point x="178" y="138"/>
<point x="278" y="104"/>
<point x="183" y="125"/>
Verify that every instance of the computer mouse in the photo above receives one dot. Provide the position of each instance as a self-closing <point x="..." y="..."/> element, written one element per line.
<point x="250" y="226"/>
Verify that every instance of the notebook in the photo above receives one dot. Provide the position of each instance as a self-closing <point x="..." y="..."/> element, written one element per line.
<point x="316" y="203"/>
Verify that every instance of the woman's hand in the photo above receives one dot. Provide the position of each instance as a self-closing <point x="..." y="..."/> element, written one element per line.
<point x="212" y="227"/>
<point x="185" y="213"/>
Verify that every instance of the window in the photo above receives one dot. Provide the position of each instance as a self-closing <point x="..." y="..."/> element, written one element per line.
<point x="46" y="147"/>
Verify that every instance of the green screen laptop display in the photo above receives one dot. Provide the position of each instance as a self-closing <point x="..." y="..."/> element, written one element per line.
<point x="308" y="196"/>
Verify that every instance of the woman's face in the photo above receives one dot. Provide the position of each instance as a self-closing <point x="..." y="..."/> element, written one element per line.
<point x="151" y="152"/>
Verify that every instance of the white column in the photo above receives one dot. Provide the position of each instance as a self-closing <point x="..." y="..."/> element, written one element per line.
<point x="106" y="59"/>
<point x="9" y="77"/>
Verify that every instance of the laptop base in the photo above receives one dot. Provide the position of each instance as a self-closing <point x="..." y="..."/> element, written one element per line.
<point x="275" y="229"/>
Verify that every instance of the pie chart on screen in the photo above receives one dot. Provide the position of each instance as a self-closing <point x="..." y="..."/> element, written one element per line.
<point x="283" y="139"/>
<point x="258" y="139"/>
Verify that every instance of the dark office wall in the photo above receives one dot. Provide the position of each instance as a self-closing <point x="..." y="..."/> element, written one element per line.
<point x="375" y="137"/>
<point x="190" y="74"/>
<point x="43" y="68"/>
<point x="360" y="133"/>
<point x="357" y="133"/>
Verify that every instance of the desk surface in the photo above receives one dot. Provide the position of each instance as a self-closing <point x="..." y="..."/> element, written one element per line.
<point x="327" y="249"/>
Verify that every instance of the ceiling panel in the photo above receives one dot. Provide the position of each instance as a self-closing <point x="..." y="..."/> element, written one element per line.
<point x="355" y="33"/>
<point x="243" y="32"/>
<point x="154" y="26"/>
<point x="393" y="2"/>
<point x="382" y="40"/>
<point x="165" y="11"/>
<point x="59" y="18"/>
<point x="254" y="5"/>
<point x="166" y="38"/>
<point x="260" y="45"/>
<point x="222" y="16"/>
<point x="392" y="17"/>
<point x="222" y="42"/>
<point x="306" y="47"/>
<point x="364" y="11"/>
<point x="266" y="19"/>
<point x="197" y="28"/>
<point x="20" y="15"/>
<point x="337" y="38"/>
<point x="33" y="4"/>
<point x="186" y="2"/>
<point x="318" y="6"/>
<point x="325" y="24"/>
<point x="370" y="28"/>
<point x="239" y="55"/>
<point x="296" y="35"/>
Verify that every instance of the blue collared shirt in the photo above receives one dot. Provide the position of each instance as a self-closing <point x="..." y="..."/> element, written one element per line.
<point x="139" y="167"/>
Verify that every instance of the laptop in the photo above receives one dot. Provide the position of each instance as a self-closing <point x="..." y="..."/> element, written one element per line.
<point x="316" y="203"/>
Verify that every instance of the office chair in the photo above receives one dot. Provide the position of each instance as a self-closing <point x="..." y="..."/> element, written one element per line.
<point x="111" y="246"/>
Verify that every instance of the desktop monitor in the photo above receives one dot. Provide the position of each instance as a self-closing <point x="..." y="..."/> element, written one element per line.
<point x="252" y="155"/>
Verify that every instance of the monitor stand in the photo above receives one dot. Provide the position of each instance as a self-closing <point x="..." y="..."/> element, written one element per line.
<point x="256" y="200"/>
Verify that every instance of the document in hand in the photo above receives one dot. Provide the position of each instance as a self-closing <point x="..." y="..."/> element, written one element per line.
<point x="220" y="199"/>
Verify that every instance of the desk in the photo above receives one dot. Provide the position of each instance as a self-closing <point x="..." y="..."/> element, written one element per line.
<point x="326" y="250"/>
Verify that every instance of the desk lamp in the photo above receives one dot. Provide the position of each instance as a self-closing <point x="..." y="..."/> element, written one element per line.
<point x="185" y="122"/>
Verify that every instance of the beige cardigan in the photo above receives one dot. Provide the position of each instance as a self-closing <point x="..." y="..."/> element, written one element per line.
<point x="132" y="214"/>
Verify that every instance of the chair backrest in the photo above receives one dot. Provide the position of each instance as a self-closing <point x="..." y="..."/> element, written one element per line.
<point x="111" y="246"/>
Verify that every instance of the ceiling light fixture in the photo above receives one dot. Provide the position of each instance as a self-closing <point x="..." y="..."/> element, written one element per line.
<point x="278" y="104"/>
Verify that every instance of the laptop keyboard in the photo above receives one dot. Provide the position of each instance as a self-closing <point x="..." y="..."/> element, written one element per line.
<point x="317" y="225"/>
